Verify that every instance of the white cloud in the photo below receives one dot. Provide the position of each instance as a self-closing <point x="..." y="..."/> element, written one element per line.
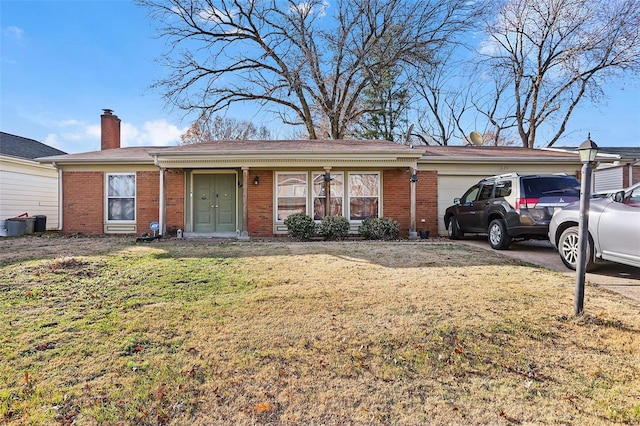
<point x="307" y="8"/>
<point x="77" y="136"/>
<point x="14" y="32"/>
<point x="67" y="123"/>
<point x="154" y="133"/>
<point x="52" y="140"/>
<point x="489" y="47"/>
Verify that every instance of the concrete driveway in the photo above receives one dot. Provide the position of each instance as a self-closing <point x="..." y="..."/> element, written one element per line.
<point x="618" y="278"/>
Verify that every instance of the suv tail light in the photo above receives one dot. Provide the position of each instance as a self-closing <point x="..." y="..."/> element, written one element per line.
<point x="526" y="203"/>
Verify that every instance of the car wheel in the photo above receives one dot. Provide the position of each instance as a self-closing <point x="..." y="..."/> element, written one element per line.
<point x="569" y="246"/>
<point x="453" y="230"/>
<point x="499" y="239"/>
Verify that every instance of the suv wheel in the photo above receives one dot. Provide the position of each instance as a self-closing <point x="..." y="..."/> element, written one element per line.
<point x="568" y="247"/>
<point x="499" y="239"/>
<point x="453" y="230"/>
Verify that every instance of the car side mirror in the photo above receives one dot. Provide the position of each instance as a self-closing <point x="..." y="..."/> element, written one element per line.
<point x="618" y="197"/>
<point x="456" y="201"/>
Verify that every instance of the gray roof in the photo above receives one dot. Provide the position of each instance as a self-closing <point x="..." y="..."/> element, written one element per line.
<point x="623" y="153"/>
<point x="17" y="146"/>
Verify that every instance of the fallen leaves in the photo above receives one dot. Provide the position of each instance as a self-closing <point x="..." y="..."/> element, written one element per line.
<point x="263" y="407"/>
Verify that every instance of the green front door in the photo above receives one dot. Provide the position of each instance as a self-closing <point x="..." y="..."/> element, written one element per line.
<point x="214" y="203"/>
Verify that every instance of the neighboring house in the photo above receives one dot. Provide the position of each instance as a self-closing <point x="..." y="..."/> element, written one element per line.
<point x="248" y="188"/>
<point x="617" y="167"/>
<point x="27" y="186"/>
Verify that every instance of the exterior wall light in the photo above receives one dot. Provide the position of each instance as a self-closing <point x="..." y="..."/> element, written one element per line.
<point x="256" y="180"/>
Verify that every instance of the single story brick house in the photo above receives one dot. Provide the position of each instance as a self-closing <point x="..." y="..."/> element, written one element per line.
<point x="248" y="188"/>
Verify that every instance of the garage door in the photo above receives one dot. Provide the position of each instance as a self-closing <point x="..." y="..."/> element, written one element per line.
<point x="450" y="187"/>
<point x="608" y="179"/>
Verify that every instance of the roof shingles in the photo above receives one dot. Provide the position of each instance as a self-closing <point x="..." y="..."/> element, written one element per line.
<point x="20" y="147"/>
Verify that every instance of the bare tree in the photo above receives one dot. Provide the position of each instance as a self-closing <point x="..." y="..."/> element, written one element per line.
<point x="489" y="103"/>
<point x="557" y="52"/>
<point x="206" y="129"/>
<point x="309" y="60"/>
<point x="445" y="100"/>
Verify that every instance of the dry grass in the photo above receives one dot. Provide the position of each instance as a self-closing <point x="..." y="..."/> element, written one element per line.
<point x="103" y="331"/>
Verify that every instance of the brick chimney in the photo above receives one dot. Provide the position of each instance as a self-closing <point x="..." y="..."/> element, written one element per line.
<point x="110" y="126"/>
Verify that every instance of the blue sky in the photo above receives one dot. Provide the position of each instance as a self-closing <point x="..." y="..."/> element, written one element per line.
<point x="62" y="62"/>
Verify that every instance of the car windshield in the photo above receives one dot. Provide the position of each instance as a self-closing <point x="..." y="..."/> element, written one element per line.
<point x="537" y="187"/>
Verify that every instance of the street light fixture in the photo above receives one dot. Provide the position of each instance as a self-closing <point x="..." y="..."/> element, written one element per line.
<point x="588" y="151"/>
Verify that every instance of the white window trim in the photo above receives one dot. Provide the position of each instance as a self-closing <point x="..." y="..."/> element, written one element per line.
<point x="277" y="198"/>
<point x="106" y="198"/>
<point x="348" y="194"/>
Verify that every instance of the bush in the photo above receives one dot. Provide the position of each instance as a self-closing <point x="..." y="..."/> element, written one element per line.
<point x="375" y="228"/>
<point x="334" y="227"/>
<point x="300" y="226"/>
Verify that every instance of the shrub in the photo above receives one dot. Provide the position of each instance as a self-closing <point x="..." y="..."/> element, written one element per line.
<point x="300" y="226"/>
<point x="334" y="227"/>
<point x="375" y="228"/>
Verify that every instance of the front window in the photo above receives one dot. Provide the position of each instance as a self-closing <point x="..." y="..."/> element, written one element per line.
<point x="364" y="195"/>
<point x="320" y="196"/>
<point x="121" y="197"/>
<point x="291" y="194"/>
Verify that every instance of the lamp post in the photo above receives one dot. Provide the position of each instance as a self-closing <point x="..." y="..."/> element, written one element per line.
<point x="588" y="151"/>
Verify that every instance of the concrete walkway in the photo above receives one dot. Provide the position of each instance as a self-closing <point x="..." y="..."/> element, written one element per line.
<point x="621" y="279"/>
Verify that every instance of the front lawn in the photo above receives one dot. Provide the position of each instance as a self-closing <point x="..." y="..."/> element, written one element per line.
<point x="106" y="331"/>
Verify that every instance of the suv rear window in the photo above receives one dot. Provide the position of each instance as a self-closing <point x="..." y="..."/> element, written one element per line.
<point x="537" y="187"/>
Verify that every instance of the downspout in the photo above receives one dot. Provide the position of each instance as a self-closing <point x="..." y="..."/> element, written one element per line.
<point x="161" y="198"/>
<point x="60" y="198"/>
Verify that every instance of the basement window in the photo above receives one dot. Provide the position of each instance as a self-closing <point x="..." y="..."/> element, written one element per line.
<point x="121" y="197"/>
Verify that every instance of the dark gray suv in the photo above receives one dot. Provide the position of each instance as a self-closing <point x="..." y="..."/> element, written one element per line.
<point x="510" y="207"/>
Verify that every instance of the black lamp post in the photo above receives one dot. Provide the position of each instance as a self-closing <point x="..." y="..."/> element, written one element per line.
<point x="588" y="151"/>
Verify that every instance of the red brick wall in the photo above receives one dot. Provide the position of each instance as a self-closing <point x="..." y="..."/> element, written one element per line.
<point x="260" y="204"/>
<point x="427" y="202"/>
<point x="147" y="200"/>
<point x="396" y="192"/>
<point x="82" y="202"/>
<point x="397" y="199"/>
<point x="635" y="174"/>
<point x="174" y="200"/>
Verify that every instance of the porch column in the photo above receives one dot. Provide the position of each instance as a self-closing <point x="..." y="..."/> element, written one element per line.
<point x="412" y="224"/>
<point x="327" y="191"/>
<point x="162" y="206"/>
<point x="245" y="203"/>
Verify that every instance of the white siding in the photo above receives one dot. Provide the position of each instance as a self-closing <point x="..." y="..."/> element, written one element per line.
<point x="28" y="187"/>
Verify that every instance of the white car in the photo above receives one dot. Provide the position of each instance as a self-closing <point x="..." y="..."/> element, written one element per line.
<point x="614" y="230"/>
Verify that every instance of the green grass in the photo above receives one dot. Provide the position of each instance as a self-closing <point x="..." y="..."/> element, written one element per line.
<point x="108" y="332"/>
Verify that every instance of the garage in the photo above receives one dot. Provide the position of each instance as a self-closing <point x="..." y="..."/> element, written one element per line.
<point x="459" y="167"/>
